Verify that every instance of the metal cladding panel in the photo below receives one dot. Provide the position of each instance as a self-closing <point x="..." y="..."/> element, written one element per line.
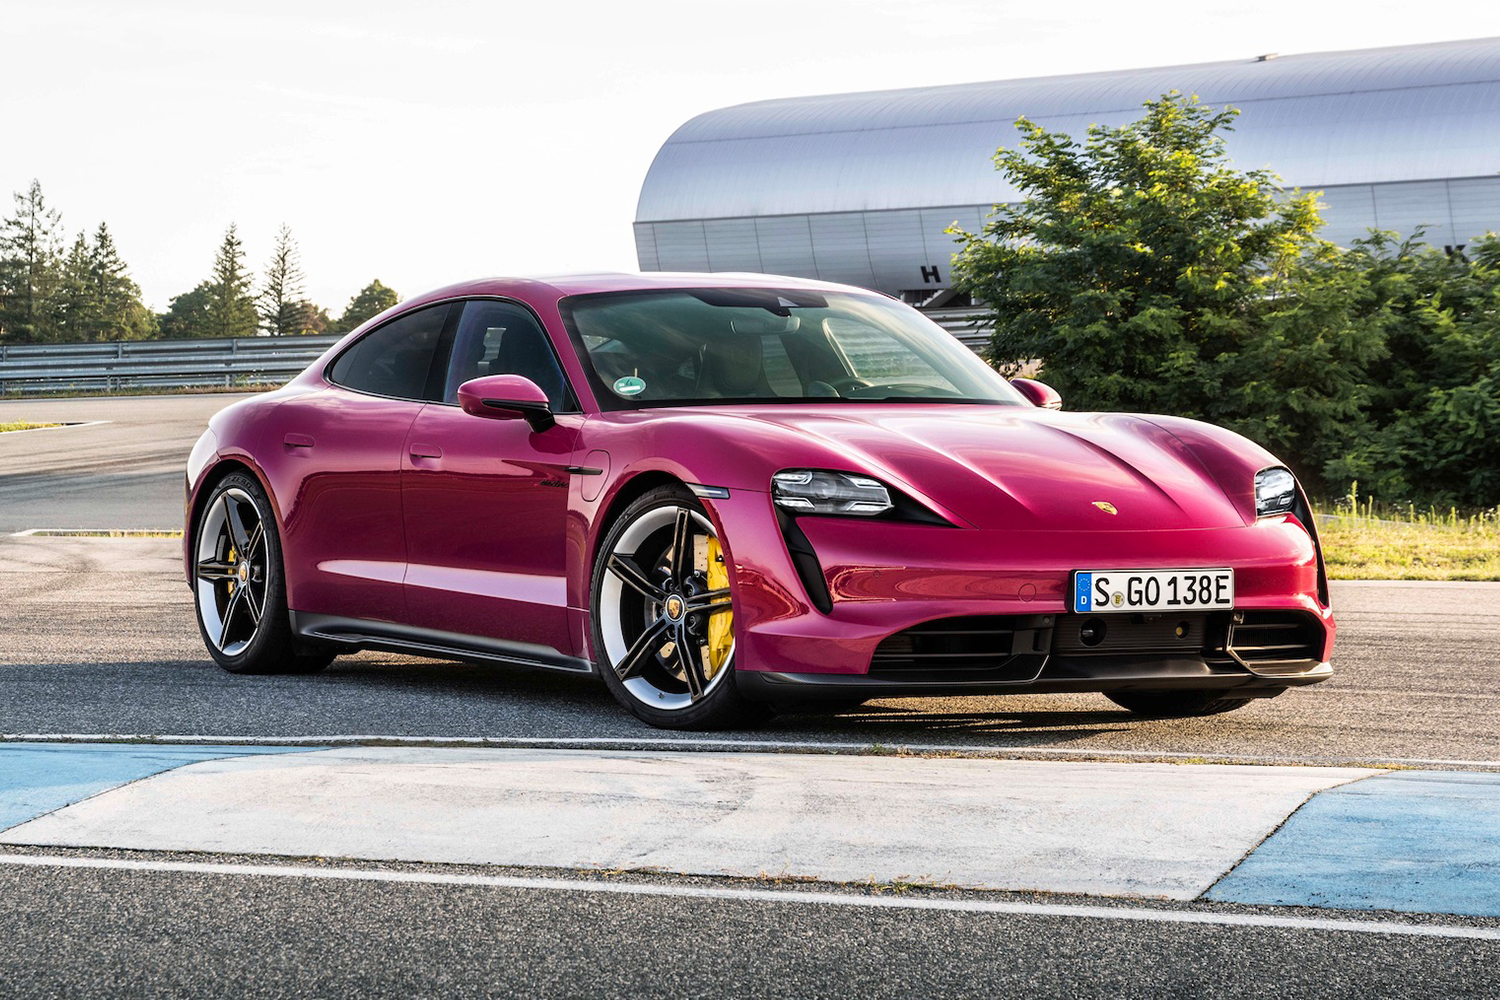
<point x="645" y="247"/>
<point x="786" y="245"/>
<point x="1475" y="203"/>
<point x="893" y="236"/>
<point x="1411" y="113"/>
<point x="681" y="246"/>
<point x="843" y="248"/>
<point x="732" y="245"/>
<point x="1348" y="212"/>
<point x="1405" y="207"/>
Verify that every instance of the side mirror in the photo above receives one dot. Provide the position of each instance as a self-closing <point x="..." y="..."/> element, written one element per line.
<point x="1040" y="394"/>
<point x="506" y="397"/>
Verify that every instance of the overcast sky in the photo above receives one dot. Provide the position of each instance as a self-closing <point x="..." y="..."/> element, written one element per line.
<point x="422" y="143"/>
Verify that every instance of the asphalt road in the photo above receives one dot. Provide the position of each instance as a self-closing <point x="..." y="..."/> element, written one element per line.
<point x="97" y="636"/>
<point x="123" y="473"/>
<point x="103" y="933"/>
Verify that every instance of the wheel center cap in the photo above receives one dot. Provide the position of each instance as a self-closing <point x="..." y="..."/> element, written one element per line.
<point x="676" y="606"/>
<point x="244" y="572"/>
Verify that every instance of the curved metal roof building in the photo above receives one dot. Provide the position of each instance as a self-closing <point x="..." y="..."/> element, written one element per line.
<point x="859" y="187"/>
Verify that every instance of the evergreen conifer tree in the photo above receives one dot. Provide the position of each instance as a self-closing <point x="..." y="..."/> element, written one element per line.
<point x="231" y="309"/>
<point x="30" y="268"/>
<point x="283" y="308"/>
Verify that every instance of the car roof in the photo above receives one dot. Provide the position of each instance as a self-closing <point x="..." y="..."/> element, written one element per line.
<point x="562" y="285"/>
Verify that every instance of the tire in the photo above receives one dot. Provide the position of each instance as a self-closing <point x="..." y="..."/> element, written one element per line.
<point x="1177" y="704"/>
<point x="240" y="602"/>
<point x="671" y="666"/>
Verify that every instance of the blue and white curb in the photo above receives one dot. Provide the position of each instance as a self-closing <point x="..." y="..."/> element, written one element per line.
<point x="1415" y="841"/>
<point x="1357" y="838"/>
<point x="37" y="778"/>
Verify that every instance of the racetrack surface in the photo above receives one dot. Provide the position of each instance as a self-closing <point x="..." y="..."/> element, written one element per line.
<point x="98" y="637"/>
<point x="126" y="472"/>
<point x="164" y="932"/>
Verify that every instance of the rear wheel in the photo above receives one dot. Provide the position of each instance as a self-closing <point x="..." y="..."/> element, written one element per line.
<point x="238" y="587"/>
<point x="1177" y="704"/>
<point x="663" y="617"/>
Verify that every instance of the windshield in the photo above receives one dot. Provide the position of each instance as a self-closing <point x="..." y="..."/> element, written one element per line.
<point x="712" y="345"/>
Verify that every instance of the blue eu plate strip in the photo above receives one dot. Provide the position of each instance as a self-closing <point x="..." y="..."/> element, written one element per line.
<point x="1083" y="591"/>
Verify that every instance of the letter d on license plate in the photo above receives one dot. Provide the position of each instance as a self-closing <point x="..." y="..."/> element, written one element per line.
<point x="1099" y="590"/>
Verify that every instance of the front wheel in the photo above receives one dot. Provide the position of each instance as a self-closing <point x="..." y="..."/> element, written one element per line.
<point x="1178" y="704"/>
<point x="663" y="617"/>
<point x="238" y="587"/>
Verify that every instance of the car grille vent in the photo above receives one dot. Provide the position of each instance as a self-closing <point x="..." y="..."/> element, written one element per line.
<point x="988" y="647"/>
<point x="1276" y="642"/>
<point x="1102" y="635"/>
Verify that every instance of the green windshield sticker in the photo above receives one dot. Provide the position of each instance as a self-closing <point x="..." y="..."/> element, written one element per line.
<point x="629" y="386"/>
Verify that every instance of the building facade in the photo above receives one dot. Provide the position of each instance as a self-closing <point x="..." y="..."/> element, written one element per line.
<point x="858" y="188"/>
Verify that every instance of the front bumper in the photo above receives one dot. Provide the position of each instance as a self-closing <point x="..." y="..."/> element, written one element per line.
<point x="881" y="579"/>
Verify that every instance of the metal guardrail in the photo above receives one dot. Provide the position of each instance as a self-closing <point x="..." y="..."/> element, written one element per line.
<point x="969" y="326"/>
<point x="142" y="364"/>
<point x="136" y="364"/>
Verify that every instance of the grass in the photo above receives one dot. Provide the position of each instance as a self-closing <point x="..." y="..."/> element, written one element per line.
<point x="1364" y="540"/>
<point x="23" y="425"/>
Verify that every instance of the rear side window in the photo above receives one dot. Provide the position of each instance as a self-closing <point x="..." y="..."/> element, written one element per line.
<point x="396" y="359"/>
<point x="501" y="338"/>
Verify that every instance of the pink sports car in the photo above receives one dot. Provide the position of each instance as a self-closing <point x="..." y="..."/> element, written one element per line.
<point x="730" y="493"/>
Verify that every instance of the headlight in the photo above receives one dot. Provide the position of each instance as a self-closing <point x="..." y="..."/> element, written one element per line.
<point x="815" y="491"/>
<point x="1275" y="492"/>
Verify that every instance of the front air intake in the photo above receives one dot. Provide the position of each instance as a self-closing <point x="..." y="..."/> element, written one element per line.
<point x="981" y="647"/>
<point x="1271" y="643"/>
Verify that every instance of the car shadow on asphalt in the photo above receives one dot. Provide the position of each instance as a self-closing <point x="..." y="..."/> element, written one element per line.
<point x="378" y="694"/>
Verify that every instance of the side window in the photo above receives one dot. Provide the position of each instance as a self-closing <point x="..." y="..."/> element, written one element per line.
<point x="500" y="338"/>
<point x="396" y="359"/>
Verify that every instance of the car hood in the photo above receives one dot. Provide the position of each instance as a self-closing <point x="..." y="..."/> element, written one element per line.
<point x="1023" y="468"/>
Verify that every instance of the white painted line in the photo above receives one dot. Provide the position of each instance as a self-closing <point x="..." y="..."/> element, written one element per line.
<point x="64" y="426"/>
<point x="751" y="746"/>
<point x="108" y="534"/>
<point x="805" y="898"/>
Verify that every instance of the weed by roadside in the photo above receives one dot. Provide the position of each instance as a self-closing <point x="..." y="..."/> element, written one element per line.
<point x="1366" y="540"/>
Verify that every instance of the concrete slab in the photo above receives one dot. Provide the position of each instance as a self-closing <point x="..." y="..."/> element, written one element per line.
<point x="1134" y="829"/>
<point x="1418" y="841"/>
<point x="36" y="778"/>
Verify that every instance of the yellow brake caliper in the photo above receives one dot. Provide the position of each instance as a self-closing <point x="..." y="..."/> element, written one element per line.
<point x="230" y="559"/>
<point x="720" y="626"/>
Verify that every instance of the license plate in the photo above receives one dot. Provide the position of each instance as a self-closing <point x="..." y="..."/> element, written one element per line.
<point x="1100" y="590"/>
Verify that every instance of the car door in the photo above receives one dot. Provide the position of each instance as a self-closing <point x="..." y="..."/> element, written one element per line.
<point x="486" y="501"/>
<point x="340" y="451"/>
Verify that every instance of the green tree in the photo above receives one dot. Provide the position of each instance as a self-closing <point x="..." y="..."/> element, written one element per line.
<point x="114" y="299"/>
<point x="1146" y="273"/>
<point x="283" y="306"/>
<point x="318" y="320"/>
<point x="1434" y="396"/>
<point x="373" y="299"/>
<point x="30" y="268"/>
<point x="231" y="308"/>
<point x="72" y="304"/>
<point x="188" y="315"/>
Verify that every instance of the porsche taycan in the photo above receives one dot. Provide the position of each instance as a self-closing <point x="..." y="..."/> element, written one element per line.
<point x="729" y="494"/>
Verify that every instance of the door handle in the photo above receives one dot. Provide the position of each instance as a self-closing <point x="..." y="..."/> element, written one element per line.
<point x="425" y="451"/>
<point x="298" y="441"/>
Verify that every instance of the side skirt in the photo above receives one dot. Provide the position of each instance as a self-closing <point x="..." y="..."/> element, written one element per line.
<point x="358" y="633"/>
